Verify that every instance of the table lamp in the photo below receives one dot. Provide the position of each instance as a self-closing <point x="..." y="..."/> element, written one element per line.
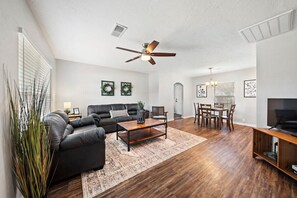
<point x="67" y="107"/>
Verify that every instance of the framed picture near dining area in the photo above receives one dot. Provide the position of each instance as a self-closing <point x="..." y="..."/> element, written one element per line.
<point x="250" y="88"/>
<point x="201" y="91"/>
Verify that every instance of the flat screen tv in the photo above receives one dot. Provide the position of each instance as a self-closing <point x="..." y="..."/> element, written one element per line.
<point x="282" y="114"/>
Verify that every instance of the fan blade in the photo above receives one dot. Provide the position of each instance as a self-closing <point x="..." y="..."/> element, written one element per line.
<point x="162" y="54"/>
<point x="150" y="48"/>
<point x="152" y="61"/>
<point x="121" y="48"/>
<point x="133" y="59"/>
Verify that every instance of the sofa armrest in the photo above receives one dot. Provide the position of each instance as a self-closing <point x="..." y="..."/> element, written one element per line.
<point x="96" y="118"/>
<point x="77" y="140"/>
<point x="83" y="122"/>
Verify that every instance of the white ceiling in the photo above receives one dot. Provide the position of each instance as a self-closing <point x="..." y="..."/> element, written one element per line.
<point x="203" y="33"/>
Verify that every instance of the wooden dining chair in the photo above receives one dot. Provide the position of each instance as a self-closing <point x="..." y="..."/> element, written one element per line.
<point x="197" y="113"/>
<point x="207" y="115"/>
<point x="159" y="113"/>
<point x="229" y="117"/>
<point x="216" y="113"/>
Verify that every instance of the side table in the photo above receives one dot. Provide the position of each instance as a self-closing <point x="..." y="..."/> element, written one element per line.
<point x="74" y="116"/>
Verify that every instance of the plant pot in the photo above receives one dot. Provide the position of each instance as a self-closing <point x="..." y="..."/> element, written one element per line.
<point x="140" y="116"/>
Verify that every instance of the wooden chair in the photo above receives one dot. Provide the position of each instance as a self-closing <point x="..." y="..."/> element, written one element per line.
<point x="221" y="106"/>
<point x="207" y="115"/>
<point x="159" y="113"/>
<point x="197" y="113"/>
<point x="229" y="117"/>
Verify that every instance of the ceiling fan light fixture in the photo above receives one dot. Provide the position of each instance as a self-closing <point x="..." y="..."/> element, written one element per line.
<point x="145" y="57"/>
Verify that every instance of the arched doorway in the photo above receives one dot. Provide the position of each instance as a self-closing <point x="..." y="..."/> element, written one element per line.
<point x="178" y="100"/>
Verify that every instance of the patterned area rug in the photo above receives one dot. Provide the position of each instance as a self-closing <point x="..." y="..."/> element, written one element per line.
<point x="121" y="165"/>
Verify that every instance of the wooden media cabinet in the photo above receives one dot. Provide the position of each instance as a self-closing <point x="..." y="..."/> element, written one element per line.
<point x="286" y="152"/>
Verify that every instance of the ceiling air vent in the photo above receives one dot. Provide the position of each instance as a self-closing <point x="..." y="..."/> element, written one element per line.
<point x="268" y="28"/>
<point x="118" y="30"/>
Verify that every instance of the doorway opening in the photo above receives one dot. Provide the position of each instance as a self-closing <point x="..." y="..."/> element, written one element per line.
<point x="178" y="100"/>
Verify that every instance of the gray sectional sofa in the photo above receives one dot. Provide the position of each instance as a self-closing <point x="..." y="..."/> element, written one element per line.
<point x="103" y="118"/>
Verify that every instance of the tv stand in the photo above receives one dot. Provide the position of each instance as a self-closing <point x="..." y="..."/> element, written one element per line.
<point x="286" y="154"/>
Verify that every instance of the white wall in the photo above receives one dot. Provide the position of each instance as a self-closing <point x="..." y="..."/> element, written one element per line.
<point x="80" y="84"/>
<point x="153" y="88"/>
<point x="14" y="14"/>
<point x="245" y="111"/>
<point x="276" y="71"/>
<point x="164" y="90"/>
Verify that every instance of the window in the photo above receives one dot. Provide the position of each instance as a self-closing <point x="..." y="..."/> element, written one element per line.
<point x="32" y="66"/>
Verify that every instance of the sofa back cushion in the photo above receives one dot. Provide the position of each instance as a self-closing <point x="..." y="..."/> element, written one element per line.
<point x="132" y="108"/>
<point x="118" y="107"/>
<point x="118" y="113"/>
<point x="101" y="110"/>
<point x="56" y="126"/>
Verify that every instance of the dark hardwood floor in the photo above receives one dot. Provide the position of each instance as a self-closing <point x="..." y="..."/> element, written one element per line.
<point x="222" y="166"/>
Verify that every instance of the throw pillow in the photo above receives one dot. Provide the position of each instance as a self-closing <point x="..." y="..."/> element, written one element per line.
<point x="118" y="113"/>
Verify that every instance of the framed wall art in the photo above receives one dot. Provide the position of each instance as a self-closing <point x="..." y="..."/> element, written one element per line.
<point x="107" y="88"/>
<point x="201" y="91"/>
<point x="126" y="89"/>
<point x="250" y="88"/>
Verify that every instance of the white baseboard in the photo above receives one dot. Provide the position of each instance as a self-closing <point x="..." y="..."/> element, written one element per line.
<point x="239" y="123"/>
<point x="245" y="124"/>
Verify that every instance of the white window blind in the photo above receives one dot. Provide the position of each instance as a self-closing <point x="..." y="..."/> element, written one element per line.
<point x="32" y="66"/>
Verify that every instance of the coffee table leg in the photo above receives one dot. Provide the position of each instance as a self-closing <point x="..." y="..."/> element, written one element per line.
<point x="166" y="130"/>
<point x="117" y="132"/>
<point x="128" y="134"/>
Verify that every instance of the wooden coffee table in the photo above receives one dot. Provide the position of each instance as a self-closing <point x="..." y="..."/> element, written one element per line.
<point x="134" y="133"/>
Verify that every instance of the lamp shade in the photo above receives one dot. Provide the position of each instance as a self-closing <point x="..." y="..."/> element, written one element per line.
<point x="67" y="105"/>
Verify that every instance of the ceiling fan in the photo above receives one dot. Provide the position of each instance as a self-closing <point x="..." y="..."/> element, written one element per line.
<point x="147" y="53"/>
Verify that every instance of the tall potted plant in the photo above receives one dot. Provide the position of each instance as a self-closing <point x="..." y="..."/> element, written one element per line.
<point x="30" y="143"/>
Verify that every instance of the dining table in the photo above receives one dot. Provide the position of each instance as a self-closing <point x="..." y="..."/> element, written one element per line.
<point x="221" y="112"/>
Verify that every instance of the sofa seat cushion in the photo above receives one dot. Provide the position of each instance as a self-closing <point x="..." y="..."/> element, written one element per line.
<point x="86" y="138"/>
<point x="118" y="113"/>
<point x="107" y="121"/>
<point x="84" y="128"/>
<point x="123" y="119"/>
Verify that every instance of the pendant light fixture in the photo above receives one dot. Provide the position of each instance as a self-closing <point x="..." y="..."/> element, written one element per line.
<point x="211" y="82"/>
